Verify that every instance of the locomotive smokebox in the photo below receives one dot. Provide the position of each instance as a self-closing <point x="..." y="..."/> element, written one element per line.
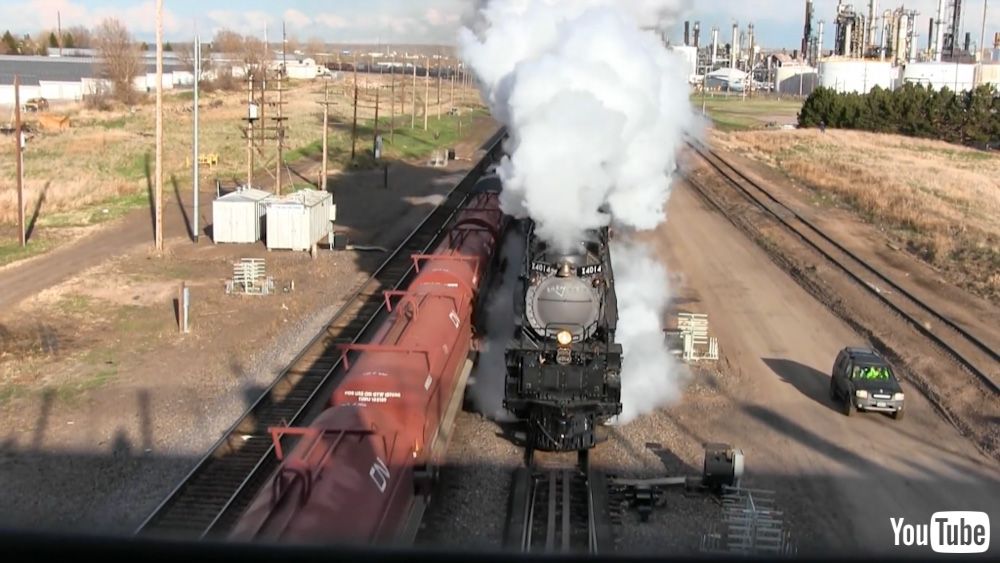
<point x="723" y="466"/>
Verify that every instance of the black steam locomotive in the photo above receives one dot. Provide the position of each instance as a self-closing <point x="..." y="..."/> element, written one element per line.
<point x="563" y="364"/>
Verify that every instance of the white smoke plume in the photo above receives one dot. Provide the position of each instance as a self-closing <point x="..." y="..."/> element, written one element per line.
<point x="651" y="376"/>
<point x="488" y="380"/>
<point x="596" y="109"/>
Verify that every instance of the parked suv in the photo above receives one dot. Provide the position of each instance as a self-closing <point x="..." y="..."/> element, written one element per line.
<point x="863" y="380"/>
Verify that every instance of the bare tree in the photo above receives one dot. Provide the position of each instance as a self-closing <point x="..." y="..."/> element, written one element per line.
<point x="120" y="60"/>
<point x="256" y="54"/>
<point x="315" y="48"/>
<point x="185" y="54"/>
<point x="227" y="42"/>
<point x="77" y="37"/>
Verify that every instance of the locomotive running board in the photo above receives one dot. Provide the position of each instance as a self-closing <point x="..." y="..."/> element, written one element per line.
<point x="437" y="453"/>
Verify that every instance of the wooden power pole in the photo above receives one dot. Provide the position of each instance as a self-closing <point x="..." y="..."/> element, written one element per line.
<point x="159" y="125"/>
<point x="440" y="77"/>
<point x="427" y="90"/>
<point x="392" y="101"/>
<point x="326" y="132"/>
<point x="413" y="116"/>
<point x="18" y="139"/>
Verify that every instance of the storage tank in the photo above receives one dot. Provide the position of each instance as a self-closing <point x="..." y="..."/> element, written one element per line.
<point x="956" y="77"/>
<point x="238" y="217"/>
<point x="990" y="75"/>
<point x="792" y="80"/>
<point x="690" y="56"/>
<point x="300" y="220"/>
<point x="855" y="75"/>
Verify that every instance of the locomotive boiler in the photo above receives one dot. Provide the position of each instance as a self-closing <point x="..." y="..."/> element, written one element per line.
<point x="563" y="363"/>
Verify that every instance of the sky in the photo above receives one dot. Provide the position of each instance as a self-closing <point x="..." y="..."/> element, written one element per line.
<point x="778" y="23"/>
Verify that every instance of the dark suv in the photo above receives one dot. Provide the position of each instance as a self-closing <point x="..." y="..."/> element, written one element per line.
<point x="863" y="380"/>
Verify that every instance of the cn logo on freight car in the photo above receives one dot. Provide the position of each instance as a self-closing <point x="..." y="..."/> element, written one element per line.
<point x="379" y="474"/>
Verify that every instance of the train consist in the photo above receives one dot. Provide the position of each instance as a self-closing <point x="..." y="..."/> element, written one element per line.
<point x="363" y="469"/>
<point x="563" y="364"/>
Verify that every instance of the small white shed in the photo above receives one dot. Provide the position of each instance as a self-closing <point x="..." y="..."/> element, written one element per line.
<point x="239" y="216"/>
<point x="300" y="220"/>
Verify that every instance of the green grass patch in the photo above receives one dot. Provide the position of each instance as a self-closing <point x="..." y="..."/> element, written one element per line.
<point x="13" y="251"/>
<point x="308" y="151"/>
<point x="735" y="114"/>
<point x="75" y="304"/>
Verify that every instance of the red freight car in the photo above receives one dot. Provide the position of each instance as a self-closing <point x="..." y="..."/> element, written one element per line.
<point x="361" y="471"/>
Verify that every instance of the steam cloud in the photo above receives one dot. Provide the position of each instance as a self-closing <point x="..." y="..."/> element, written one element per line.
<point x="595" y="110"/>
<point x="487" y="382"/>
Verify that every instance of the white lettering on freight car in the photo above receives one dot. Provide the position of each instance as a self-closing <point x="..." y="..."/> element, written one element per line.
<point x="428" y="381"/>
<point x="372" y="396"/>
<point x="454" y="318"/>
<point x="379" y="474"/>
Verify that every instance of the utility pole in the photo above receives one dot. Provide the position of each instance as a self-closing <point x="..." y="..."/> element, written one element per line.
<point x="18" y="139"/>
<point x="279" y="123"/>
<point x="439" y="88"/>
<point x="982" y="37"/>
<point x="413" y="116"/>
<point x="354" y="127"/>
<point x="427" y="89"/>
<point x="59" y="25"/>
<point x="326" y="132"/>
<point x="196" y="181"/>
<point x="451" y="100"/>
<point x="159" y="126"/>
<point x="251" y="116"/>
<point x="392" y="100"/>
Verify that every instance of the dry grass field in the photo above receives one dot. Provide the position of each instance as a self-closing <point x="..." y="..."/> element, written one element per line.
<point x="941" y="201"/>
<point x="100" y="167"/>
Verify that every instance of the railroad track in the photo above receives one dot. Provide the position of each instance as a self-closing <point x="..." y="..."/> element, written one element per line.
<point x="214" y="494"/>
<point x="967" y="349"/>
<point x="560" y="511"/>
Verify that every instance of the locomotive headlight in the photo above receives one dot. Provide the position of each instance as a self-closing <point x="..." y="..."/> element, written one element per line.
<point x="564" y="338"/>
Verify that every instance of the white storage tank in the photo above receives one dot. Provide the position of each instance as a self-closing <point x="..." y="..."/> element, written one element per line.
<point x="690" y="57"/>
<point x="955" y="77"/>
<point x="854" y="75"/>
<point x="791" y="80"/>
<point x="990" y="74"/>
<point x="300" y="220"/>
<point x="239" y="216"/>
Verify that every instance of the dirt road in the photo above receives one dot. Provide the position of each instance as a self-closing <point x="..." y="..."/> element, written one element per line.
<point x="839" y="478"/>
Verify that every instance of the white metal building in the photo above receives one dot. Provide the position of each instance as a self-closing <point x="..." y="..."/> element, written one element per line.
<point x="238" y="217"/>
<point x="300" y="220"/>
<point x="955" y="77"/>
<point x="855" y="75"/>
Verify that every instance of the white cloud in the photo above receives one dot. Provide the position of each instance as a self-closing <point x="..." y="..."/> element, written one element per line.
<point x="438" y="18"/>
<point x="32" y="15"/>
<point x="333" y="21"/>
<point x="296" y="19"/>
<point x="250" y="22"/>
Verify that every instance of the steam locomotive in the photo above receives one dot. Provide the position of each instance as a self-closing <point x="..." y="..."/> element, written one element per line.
<point x="563" y="363"/>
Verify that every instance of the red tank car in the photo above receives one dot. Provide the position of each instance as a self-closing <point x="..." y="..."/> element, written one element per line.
<point x="362" y="469"/>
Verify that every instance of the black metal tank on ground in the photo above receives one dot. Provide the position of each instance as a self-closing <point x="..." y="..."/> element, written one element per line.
<point x="563" y="364"/>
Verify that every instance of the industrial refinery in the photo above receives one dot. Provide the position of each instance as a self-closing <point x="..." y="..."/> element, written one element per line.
<point x="854" y="49"/>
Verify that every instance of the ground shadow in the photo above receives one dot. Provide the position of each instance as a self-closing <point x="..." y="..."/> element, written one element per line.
<point x="675" y="466"/>
<point x="809" y="381"/>
<point x="180" y="205"/>
<point x="30" y="228"/>
<point x="149" y="193"/>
